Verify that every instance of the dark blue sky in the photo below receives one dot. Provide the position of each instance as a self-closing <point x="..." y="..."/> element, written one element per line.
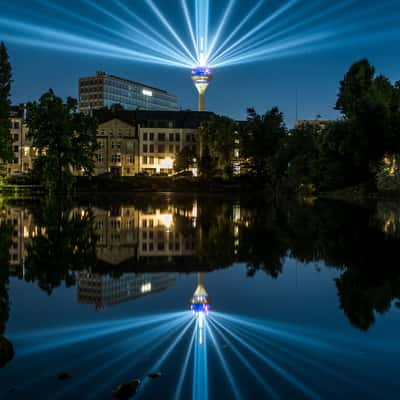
<point x="314" y="70"/>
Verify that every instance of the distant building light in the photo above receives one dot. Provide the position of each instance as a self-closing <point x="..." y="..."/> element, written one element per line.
<point x="147" y="92"/>
<point x="146" y="288"/>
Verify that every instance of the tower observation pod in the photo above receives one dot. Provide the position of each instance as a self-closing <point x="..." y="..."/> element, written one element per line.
<point x="201" y="77"/>
<point x="199" y="303"/>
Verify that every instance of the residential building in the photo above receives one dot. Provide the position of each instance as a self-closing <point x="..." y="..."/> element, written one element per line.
<point x="162" y="135"/>
<point x="118" y="151"/>
<point x="136" y="141"/>
<point x="104" y="90"/>
<point x="21" y="145"/>
<point x="318" y="124"/>
<point x="130" y="142"/>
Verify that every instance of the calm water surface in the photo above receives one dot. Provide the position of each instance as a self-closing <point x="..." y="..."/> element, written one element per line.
<point x="304" y="298"/>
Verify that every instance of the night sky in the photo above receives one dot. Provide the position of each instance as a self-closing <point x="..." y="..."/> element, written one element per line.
<point x="350" y="30"/>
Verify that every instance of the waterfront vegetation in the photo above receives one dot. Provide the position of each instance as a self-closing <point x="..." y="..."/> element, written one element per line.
<point x="361" y="148"/>
<point x="359" y="151"/>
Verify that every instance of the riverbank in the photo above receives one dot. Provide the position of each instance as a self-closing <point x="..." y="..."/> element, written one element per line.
<point x="154" y="184"/>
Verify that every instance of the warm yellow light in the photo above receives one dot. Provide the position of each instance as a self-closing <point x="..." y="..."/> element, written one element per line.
<point x="166" y="220"/>
<point x="167" y="163"/>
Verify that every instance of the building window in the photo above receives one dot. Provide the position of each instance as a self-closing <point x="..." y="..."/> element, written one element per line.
<point x="171" y="137"/>
<point x="151" y="160"/>
<point x="151" y="148"/>
<point x="101" y="144"/>
<point x="144" y="160"/>
<point x="99" y="158"/>
<point x="177" y="137"/>
<point x="15" y="137"/>
<point x="161" y="148"/>
<point x="151" y="136"/>
<point x="171" y="148"/>
<point x="116" y="145"/>
<point x="145" y="136"/>
<point x="16" y="125"/>
<point x="145" y="148"/>
<point x="130" y="146"/>
<point x="161" y="137"/>
<point x="116" y="158"/>
<point x="130" y="159"/>
<point x="15" y="149"/>
<point x="188" y="138"/>
<point x="177" y="148"/>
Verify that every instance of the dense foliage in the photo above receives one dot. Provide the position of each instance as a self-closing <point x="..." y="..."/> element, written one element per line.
<point x="317" y="156"/>
<point x="6" y="153"/>
<point x="65" y="139"/>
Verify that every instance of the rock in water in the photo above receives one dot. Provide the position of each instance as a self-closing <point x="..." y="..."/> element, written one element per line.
<point x="63" y="376"/>
<point x="154" y="375"/>
<point x="126" y="390"/>
<point x="6" y="351"/>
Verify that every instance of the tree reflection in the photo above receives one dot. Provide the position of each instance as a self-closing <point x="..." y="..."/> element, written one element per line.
<point x="6" y="349"/>
<point x="186" y="234"/>
<point x="65" y="242"/>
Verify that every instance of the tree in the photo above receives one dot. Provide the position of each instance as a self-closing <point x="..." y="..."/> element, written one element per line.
<point x="301" y="156"/>
<point x="261" y="141"/>
<point x="217" y="140"/>
<point x="185" y="159"/>
<point x="356" y="83"/>
<point x="371" y="107"/>
<point x="6" y="153"/>
<point x="66" y="140"/>
<point x="116" y="107"/>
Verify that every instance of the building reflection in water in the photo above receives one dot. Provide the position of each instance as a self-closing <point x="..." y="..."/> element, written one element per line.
<point x="140" y="245"/>
<point x="130" y="240"/>
<point x="103" y="290"/>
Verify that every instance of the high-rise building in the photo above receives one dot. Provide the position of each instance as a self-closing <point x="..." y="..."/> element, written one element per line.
<point x="104" y="90"/>
<point x="105" y="290"/>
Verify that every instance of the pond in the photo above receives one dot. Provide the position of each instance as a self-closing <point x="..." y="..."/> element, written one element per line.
<point x="199" y="298"/>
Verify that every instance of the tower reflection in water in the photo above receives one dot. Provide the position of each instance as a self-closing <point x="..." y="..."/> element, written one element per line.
<point x="200" y="305"/>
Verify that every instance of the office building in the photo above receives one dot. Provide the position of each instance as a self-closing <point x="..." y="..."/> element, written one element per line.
<point x="104" y="290"/>
<point x="104" y="90"/>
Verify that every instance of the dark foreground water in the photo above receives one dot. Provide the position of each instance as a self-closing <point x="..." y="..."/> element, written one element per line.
<point x="304" y="299"/>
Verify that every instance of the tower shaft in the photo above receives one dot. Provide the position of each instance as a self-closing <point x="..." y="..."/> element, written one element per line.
<point x="202" y="102"/>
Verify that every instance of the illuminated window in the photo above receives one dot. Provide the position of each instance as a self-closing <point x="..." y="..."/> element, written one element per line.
<point x="116" y="158"/>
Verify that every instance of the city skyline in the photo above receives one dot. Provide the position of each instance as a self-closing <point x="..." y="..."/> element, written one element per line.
<point x="309" y="74"/>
